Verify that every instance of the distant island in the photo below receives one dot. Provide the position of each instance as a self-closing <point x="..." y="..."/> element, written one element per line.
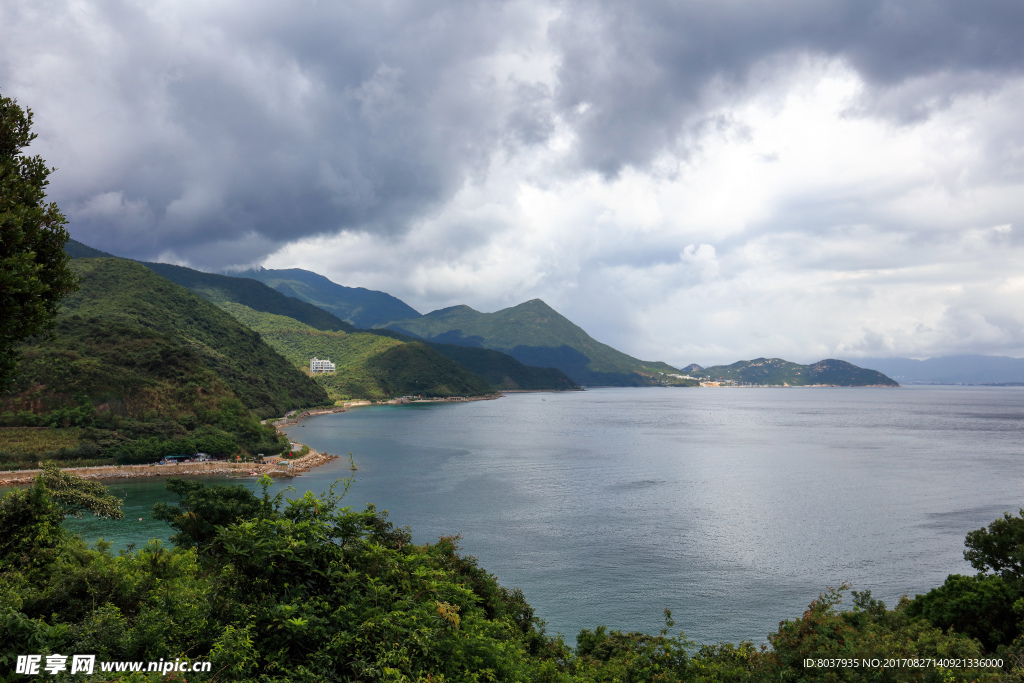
<point x="779" y="372"/>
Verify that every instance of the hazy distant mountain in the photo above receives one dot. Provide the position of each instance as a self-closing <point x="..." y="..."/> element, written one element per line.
<point x="364" y="308"/>
<point x="251" y="293"/>
<point x="535" y="334"/>
<point x="968" y="369"/>
<point x="78" y="250"/>
<point x="778" y="372"/>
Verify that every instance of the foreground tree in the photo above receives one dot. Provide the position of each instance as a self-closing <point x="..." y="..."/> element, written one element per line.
<point x="34" y="272"/>
<point x="999" y="548"/>
<point x="305" y="589"/>
<point x="30" y="519"/>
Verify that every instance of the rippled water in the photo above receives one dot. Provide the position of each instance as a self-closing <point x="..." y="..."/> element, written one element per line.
<point x="732" y="507"/>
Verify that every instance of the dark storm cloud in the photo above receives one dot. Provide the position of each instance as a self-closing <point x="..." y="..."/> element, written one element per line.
<point x="252" y="119"/>
<point x="640" y="74"/>
<point x="216" y="133"/>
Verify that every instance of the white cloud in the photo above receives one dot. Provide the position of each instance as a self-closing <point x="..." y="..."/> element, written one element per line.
<point x="703" y="258"/>
<point x="817" y="232"/>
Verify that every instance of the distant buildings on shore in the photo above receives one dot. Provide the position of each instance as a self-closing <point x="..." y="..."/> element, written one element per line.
<point x="316" y="365"/>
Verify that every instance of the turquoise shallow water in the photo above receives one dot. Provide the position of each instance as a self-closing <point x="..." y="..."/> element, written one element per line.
<point x="138" y="525"/>
<point x="732" y="507"/>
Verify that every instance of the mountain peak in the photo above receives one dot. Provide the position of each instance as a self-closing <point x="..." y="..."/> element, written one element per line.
<point x="536" y="334"/>
<point x="534" y="303"/>
<point x="460" y="309"/>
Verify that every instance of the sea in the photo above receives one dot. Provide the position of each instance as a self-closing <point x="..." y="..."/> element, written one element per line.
<point x="732" y="507"/>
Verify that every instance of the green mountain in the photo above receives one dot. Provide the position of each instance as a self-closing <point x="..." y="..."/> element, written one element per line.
<point x="535" y="334"/>
<point x="498" y="369"/>
<point x="364" y="308"/>
<point x="141" y="368"/>
<point x="251" y="293"/>
<point x="778" y="372"/>
<point x="369" y="365"/>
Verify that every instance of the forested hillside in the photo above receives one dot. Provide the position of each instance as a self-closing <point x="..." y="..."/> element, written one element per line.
<point x="368" y="365"/>
<point x="539" y="349"/>
<point x="535" y="334"/>
<point x="139" y="367"/>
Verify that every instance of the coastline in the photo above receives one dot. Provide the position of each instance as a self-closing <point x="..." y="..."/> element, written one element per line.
<point x="245" y="469"/>
<point x="294" y="417"/>
<point x="722" y="385"/>
<point x="111" y="472"/>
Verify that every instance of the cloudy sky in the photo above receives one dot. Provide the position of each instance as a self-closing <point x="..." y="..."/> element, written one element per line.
<point x="688" y="181"/>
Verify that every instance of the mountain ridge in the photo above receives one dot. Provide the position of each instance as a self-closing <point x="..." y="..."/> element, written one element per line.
<point x="249" y="292"/>
<point x="364" y="308"/>
<point x="495" y="370"/>
<point x="536" y="334"/>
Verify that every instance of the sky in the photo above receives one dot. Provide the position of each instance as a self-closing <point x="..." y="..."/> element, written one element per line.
<point x="687" y="181"/>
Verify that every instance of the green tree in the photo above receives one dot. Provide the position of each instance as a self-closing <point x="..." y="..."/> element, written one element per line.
<point x="78" y="495"/>
<point x="1000" y="548"/>
<point x="34" y="272"/>
<point x="31" y="518"/>
<point x="978" y="606"/>
<point x="203" y="509"/>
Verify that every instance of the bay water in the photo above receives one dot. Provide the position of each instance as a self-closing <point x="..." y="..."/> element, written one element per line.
<point x="734" y="508"/>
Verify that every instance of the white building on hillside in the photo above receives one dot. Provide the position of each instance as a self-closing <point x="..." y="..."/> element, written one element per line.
<point x="316" y="365"/>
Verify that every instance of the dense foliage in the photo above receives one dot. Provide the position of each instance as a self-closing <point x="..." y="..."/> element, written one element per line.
<point x="535" y="334"/>
<point x="34" y="273"/>
<point x="142" y="368"/>
<point x="304" y="589"/>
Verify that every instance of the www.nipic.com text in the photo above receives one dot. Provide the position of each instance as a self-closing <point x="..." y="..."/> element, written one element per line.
<point x="35" y="665"/>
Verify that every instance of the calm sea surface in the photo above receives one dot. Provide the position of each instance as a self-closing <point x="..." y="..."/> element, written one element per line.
<point x="732" y="507"/>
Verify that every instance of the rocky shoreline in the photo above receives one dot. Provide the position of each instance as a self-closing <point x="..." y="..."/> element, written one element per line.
<point x="278" y="468"/>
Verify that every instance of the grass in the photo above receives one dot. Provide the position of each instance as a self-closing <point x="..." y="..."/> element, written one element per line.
<point x="37" y="441"/>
